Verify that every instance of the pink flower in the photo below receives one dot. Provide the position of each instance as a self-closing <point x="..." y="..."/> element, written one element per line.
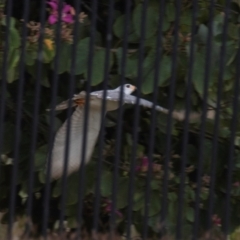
<point x="144" y="163"/>
<point x="109" y="207"/>
<point x="236" y="184"/>
<point x="67" y="12"/>
<point x="216" y="220"/>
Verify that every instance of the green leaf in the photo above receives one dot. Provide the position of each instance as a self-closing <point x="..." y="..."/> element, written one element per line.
<point x="30" y="54"/>
<point x="154" y="222"/>
<point x="14" y="38"/>
<point x="47" y="54"/>
<point x="12" y="22"/>
<point x="32" y="70"/>
<point x="13" y="61"/>
<point x="57" y="122"/>
<point x="8" y="139"/>
<point x="64" y="56"/>
<point x="42" y="176"/>
<point x="13" y="58"/>
<point x="106" y="184"/>
<point x="154" y="204"/>
<point x="72" y="189"/>
<point x="82" y="51"/>
<point x="90" y="181"/>
<point x="186" y="21"/>
<point x="155" y="185"/>
<point x="118" y="29"/>
<point x="12" y="74"/>
<point x="170" y="12"/>
<point x="198" y="73"/>
<point x="98" y="67"/>
<point x="164" y="74"/>
<point x="40" y="157"/>
<point x="57" y="189"/>
<point x="150" y="23"/>
<point x="30" y="57"/>
<point x="181" y="90"/>
<point x="122" y="195"/>
<point x="189" y="214"/>
<point x="202" y="33"/>
<point x="131" y="64"/>
<point x="172" y="196"/>
<point x="139" y="200"/>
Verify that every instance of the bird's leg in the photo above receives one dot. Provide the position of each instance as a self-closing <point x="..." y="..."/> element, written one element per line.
<point x="80" y="102"/>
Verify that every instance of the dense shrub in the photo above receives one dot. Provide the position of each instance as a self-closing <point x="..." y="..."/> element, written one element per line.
<point x="31" y="58"/>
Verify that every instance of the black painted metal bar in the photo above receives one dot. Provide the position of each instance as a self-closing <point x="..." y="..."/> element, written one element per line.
<point x="164" y="206"/>
<point x="137" y="114"/>
<point x="47" y="189"/>
<point x="4" y="74"/>
<point x="157" y="67"/>
<point x="132" y="167"/>
<point x="103" y="112"/>
<point x="35" y="119"/>
<point x="186" y="124"/>
<point x="230" y="161"/>
<point x="86" y="113"/>
<point x="17" y="139"/>
<point x="217" y="117"/>
<point x="208" y="66"/>
<point x="119" y="120"/>
<point x="71" y="89"/>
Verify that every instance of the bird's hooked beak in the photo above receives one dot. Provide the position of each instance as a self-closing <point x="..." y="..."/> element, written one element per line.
<point x="133" y="88"/>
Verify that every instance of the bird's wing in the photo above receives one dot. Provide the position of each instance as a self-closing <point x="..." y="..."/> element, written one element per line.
<point x="65" y="104"/>
<point x="82" y="95"/>
<point x="75" y="141"/>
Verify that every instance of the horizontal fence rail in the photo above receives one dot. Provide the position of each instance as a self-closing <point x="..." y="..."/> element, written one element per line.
<point x="119" y="119"/>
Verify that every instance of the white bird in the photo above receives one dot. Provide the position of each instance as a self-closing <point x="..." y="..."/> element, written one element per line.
<point x="93" y="125"/>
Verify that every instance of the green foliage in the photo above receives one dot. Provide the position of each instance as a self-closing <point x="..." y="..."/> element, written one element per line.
<point x="63" y="66"/>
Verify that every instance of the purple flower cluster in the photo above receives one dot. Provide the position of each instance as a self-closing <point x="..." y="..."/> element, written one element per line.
<point x="67" y="12"/>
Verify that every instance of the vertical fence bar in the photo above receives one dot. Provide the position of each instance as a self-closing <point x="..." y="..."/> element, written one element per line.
<point x="164" y="207"/>
<point x="103" y="111"/>
<point x="136" y="114"/>
<point x="18" y="121"/>
<point x="77" y="8"/>
<point x="4" y="75"/>
<point x="186" y="124"/>
<point x="86" y="112"/>
<point x="157" y="67"/>
<point x="203" y="120"/>
<point x="230" y="165"/>
<point x="211" y="199"/>
<point x="35" y="118"/>
<point x="52" y="123"/>
<point x="119" y="118"/>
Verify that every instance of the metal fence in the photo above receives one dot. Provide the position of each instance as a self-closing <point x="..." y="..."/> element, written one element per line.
<point x="164" y="164"/>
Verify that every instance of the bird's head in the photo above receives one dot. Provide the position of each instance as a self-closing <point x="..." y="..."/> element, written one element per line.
<point x="127" y="88"/>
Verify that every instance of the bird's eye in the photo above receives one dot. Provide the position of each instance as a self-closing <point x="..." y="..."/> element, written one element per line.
<point x="128" y="86"/>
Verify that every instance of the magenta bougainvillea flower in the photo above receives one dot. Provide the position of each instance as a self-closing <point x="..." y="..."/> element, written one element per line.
<point x="109" y="207"/>
<point x="67" y="12"/>
<point x="217" y="221"/>
<point x="144" y="163"/>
